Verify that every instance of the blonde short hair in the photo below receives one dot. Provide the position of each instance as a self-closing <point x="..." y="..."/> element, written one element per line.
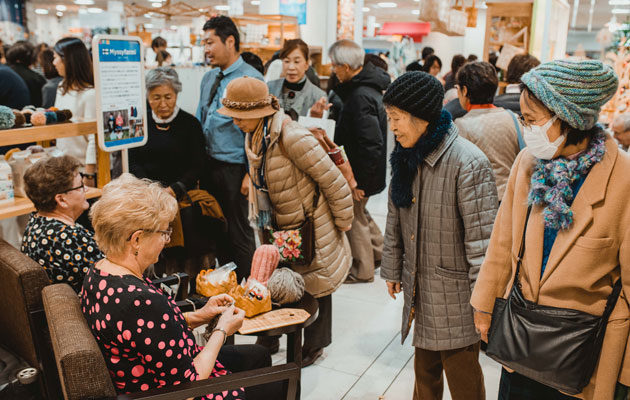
<point x="127" y="205"/>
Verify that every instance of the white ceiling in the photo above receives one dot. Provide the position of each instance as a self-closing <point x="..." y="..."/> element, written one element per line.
<point x="402" y="12"/>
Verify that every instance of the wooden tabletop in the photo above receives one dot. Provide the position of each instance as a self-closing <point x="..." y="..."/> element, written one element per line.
<point x="22" y="205"/>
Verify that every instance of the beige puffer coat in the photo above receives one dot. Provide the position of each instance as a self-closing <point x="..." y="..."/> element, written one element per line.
<point x="291" y="181"/>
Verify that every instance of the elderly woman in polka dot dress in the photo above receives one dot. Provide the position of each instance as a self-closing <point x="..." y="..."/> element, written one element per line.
<point x="145" y="339"/>
<point x="52" y="237"/>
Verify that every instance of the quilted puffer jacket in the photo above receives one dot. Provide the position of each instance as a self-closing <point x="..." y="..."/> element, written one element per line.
<point x="435" y="247"/>
<point x="291" y="182"/>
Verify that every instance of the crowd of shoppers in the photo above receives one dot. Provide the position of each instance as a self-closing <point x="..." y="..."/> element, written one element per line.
<point x="472" y="172"/>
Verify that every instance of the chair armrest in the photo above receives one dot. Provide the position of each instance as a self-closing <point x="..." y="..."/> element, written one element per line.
<point x="181" y="278"/>
<point x="215" y="385"/>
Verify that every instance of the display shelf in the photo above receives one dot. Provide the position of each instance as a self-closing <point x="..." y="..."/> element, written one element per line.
<point x="46" y="132"/>
<point x="22" y="205"/>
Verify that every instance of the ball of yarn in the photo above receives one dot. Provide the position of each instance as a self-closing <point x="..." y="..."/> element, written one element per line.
<point x="63" y="115"/>
<point x="38" y="118"/>
<point x="27" y="115"/>
<point x="19" y="119"/>
<point x="285" y="286"/>
<point x="51" y="117"/>
<point x="7" y="119"/>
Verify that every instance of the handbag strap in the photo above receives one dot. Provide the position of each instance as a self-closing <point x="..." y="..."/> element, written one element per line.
<point x="521" y="250"/>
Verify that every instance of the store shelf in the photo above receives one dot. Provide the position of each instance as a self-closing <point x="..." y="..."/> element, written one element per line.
<point x="23" y="206"/>
<point x="46" y="132"/>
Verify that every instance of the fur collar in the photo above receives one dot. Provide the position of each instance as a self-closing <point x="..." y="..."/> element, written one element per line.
<point x="405" y="162"/>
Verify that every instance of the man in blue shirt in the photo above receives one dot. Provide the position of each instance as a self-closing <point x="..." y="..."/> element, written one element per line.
<point x="226" y="175"/>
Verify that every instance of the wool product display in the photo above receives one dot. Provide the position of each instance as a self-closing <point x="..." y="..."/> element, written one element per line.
<point x="552" y="179"/>
<point x="285" y="286"/>
<point x="38" y="118"/>
<point x="50" y="117"/>
<point x="405" y="162"/>
<point x="20" y="120"/>
<point x="7" y="118"/>
<point x="574" y="90"/>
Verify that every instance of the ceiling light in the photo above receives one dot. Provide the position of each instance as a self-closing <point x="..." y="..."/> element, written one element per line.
<point x="415" y="12"/>
<point x="95" y="10"/>
<point x="84" y="2"/>
<point x="59" y="14"/>
<point x="619" y="2"/>
<point x="366" y="9"/>
<point x="222" y="8"/>
<point x="621" y="11"/>
<point x="147" y="15"/>
<point x="148" y="25"/>
<point x="417" y="1"/>
<point x="156" y="5"/>
<point x="173" y="27"/>
<point x="61" y="7"/>
<point x="201" y="10"/>
<point x="41" y="11"/>
<point x="387" y="5"/>
<point x="255" y="2"/>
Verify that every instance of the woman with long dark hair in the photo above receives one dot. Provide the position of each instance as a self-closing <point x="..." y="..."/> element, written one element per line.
<point x="53" y="79"/>
<point x="76" y="93"/>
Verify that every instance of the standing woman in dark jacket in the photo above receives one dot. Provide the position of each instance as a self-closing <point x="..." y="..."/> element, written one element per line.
<point x="362" y="130"/>
<point x="19" y="58"/>
<point x="49" y="90"/>
<point x="174" y="153"/>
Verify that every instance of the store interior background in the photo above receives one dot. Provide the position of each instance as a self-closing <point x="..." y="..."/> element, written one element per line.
<point x="366" y="359"/>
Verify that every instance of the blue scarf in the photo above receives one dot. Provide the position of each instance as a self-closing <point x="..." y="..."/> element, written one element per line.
<point x="552" y="180"/>
<point x="405" y="162"/>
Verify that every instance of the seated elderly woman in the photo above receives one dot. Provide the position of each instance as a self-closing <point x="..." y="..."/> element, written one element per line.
<point x="145" y="339"/>
<point x="175" y="152"/>
<point x="52" y="237"/>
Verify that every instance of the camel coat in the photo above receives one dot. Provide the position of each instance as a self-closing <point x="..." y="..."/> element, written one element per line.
<point x="584" y="261"/>
<point x="291" y="182"/>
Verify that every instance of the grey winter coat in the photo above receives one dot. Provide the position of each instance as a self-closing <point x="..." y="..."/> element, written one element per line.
<point x="436" y="246"/>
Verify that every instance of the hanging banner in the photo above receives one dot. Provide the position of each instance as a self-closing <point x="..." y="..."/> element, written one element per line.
<point x="294" y="8"/>
<point x="120" y="92"/>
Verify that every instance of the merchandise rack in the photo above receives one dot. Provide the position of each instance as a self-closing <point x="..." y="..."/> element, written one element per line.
<point x="22" y="205"/>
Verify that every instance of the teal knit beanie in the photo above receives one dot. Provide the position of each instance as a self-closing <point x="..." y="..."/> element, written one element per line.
<point x="574" y="90"/>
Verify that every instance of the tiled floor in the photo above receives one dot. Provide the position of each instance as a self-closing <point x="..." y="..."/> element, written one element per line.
<point x="366" y="359"/>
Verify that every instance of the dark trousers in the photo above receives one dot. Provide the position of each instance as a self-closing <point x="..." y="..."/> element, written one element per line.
<point x="319" y="334"/>
<point x="246" y="358"/>
<point x="223" y="181"/>
<point x="514" y="386"/>
<point x="462" y="369"/>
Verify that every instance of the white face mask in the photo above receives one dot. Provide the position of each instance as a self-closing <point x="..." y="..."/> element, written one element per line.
<point x="538" y="142"/>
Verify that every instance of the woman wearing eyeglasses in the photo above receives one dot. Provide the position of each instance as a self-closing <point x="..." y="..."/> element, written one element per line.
<point x="145" y="339"/>
<point x="52" y="237"/>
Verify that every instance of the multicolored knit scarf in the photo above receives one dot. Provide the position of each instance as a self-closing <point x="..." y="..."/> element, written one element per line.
<point x="552" y="179"/>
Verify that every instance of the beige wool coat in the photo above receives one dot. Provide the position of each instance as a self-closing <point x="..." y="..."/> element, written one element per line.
<point x="291" y="182"/>
<point x="584" y="263"/>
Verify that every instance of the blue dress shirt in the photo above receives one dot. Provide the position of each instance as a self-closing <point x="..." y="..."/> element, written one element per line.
<point x="224" y="140"/>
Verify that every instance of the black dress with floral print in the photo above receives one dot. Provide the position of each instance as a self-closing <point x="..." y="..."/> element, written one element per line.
<point x="66" y="252"/>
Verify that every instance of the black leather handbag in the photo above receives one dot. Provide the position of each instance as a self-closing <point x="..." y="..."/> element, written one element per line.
<point x="558" y="347"/>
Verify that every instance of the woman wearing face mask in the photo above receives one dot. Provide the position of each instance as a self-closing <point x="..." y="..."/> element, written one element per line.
<point x="296" y="94"/>
<point x="576" y="242"/>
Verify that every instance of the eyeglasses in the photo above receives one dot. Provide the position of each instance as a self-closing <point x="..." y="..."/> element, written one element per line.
<point x="74" y="188"/>
<point x="166" y="234"/>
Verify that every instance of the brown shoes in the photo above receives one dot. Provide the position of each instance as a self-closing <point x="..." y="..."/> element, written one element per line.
<point x="310" y="356"/>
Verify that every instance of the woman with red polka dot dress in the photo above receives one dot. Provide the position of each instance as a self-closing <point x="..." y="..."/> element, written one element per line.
<point x="145" y="339"/>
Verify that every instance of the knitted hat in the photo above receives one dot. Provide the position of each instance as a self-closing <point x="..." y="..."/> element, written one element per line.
<point x="574" y="90"/>
<point x="418" y="93"/>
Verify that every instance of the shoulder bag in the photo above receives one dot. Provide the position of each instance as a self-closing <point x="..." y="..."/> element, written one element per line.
<point x="558" y="347"/>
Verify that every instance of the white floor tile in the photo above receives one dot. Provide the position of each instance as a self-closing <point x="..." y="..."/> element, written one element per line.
<point x="319" y="383"/>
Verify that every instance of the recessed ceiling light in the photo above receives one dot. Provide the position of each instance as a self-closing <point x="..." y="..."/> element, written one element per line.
<point x="222" y="8"/>
<point x="417" y="1"/>
<point x="41" y="11"/>
<point x="95" y="10"/>
<point x="148" y="25"/>
<point x="59" y="14"/>
<point x="148" y="15"/>
<point x="156" y="5"/>
<point x="174" y="27"/>
<point x="84" y="2"/>
<point x="201" y="10"/>
<point x="366" y="9"/>
<point x="255" y="2"/>
<point x="61" y="7"/>
<point x="387" y="5"/>
<point x="619" y="2"/>
<point x="621" y="11"/>
<point x="415" y="12"/>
